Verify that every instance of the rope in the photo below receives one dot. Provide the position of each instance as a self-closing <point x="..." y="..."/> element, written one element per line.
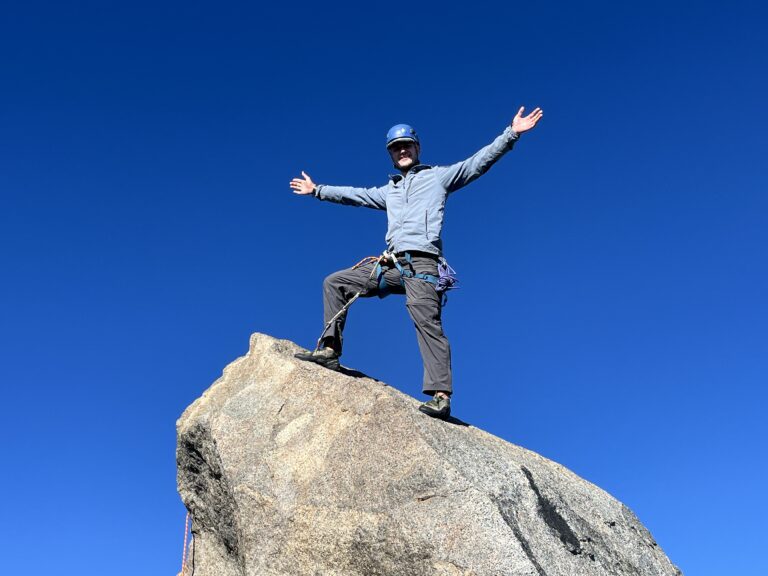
<point x="383" y="258"/>
<point x="184" y="553"/>
<point x="366" y="260"/>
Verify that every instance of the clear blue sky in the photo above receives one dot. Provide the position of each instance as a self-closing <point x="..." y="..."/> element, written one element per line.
<point x="613" y="315"/>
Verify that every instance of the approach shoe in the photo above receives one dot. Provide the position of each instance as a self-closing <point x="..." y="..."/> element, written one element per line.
<point x="438" y="407"/>
<point x="326" y="357"/>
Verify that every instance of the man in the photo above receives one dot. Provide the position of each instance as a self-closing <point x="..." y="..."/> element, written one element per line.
<point x="415" y="204"/>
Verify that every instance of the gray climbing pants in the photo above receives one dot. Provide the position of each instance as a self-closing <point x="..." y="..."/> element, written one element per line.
<point x="421" y="299"/>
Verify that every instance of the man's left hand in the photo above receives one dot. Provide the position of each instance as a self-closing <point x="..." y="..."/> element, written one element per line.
<point x="522" y="123"/>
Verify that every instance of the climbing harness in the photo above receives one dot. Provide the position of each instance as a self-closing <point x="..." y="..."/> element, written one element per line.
<point x="384" y="289"/>
<point x="444" y="281"/>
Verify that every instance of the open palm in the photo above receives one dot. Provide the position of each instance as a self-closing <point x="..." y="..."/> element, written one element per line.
<point x="522" y="123"/>
<point x="303" y="185"/>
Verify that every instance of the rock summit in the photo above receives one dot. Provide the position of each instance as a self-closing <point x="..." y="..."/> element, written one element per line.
<point x="290" y="469"/>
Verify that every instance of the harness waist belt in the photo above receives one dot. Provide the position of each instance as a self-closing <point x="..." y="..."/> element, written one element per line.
<point x="417" y="253"/>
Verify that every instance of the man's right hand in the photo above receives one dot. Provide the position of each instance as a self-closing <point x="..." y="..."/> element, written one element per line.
<point x="303" y="185"/>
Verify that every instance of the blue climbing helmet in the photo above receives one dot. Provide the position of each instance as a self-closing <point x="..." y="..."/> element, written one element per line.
<point x="400" y="132"/>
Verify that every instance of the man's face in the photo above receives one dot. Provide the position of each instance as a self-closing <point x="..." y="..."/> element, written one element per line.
<point x="404" y="154"/>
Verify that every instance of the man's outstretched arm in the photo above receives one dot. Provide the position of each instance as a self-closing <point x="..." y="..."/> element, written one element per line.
<point x="368" y="197"/>
<point x="462" y="173"/>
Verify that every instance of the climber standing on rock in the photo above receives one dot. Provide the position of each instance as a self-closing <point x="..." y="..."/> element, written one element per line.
<point x="413" y="262"/>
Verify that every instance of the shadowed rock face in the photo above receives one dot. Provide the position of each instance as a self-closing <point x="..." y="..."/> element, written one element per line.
<point x="290" y="469"/>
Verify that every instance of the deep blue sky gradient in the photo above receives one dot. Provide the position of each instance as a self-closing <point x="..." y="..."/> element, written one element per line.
<point x="613" y="315"/>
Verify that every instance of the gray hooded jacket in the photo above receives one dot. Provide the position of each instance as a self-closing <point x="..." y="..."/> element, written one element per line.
<point x="415" y="203"/>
